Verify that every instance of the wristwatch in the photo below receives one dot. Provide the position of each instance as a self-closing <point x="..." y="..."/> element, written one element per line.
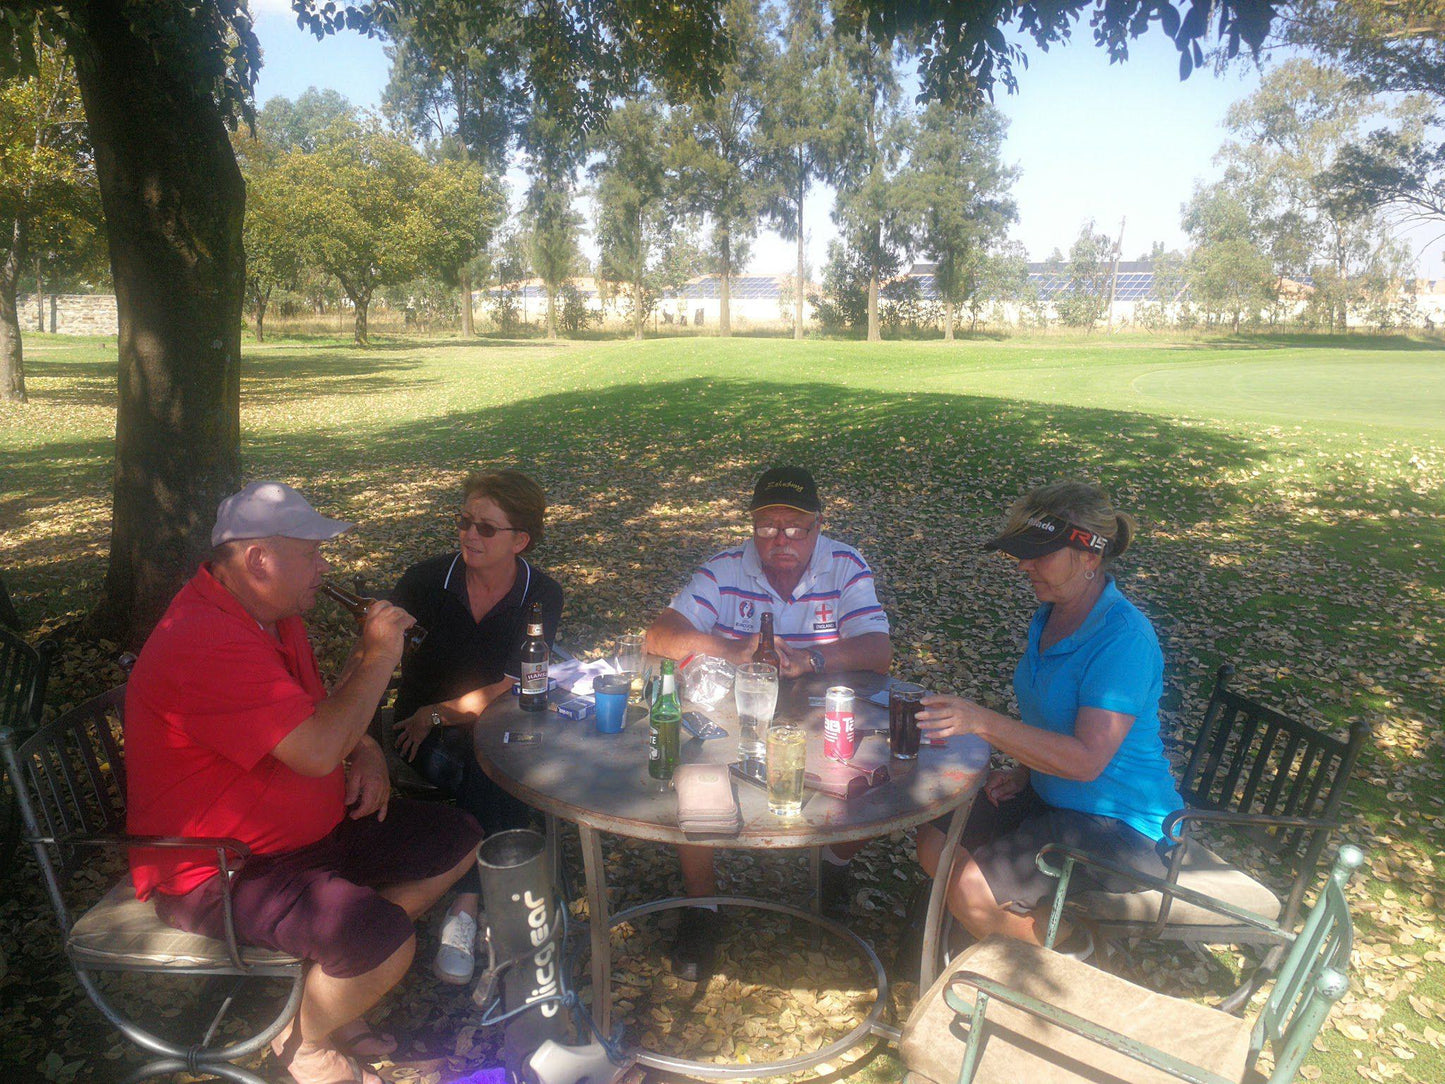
<point x="436" y="720"/>
<point x="815" y="657"/>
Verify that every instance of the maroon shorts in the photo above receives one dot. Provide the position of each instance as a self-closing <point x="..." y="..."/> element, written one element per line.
<point x="321" y="902"/>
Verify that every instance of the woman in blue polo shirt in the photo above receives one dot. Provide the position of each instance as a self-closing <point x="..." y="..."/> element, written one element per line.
<point x="1090" y="767"/>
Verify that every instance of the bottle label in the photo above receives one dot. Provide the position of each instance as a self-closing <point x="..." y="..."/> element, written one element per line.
<point x="534" y="678"/>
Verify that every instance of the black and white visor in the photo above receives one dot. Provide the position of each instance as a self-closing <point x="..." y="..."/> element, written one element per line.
<point x="1043" y="534"/>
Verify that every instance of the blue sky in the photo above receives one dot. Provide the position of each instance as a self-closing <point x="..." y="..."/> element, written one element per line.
<point x="1094" y="140"/>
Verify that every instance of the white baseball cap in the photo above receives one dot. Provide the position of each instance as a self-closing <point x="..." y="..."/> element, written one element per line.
<point x="267" y="509"/>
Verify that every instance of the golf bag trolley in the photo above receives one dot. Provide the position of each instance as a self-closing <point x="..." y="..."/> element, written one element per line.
<point x="527" y="984"/>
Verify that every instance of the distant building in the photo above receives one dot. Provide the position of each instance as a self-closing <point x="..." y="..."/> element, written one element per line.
<point x="763" y="301"/>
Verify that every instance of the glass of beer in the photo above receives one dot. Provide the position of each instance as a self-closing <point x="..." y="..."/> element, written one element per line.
<point x="786" y="760"/>
<point x="629" y="661"/>
<point x="904" y="701"/>
<point x="756" y="690"/>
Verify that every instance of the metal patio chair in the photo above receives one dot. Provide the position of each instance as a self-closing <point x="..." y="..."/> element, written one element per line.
<point x="23" y="673"/>
<point x="70" y="782"/>
<point x="1009" y="1012"/>
<point x="1272" y="788"/>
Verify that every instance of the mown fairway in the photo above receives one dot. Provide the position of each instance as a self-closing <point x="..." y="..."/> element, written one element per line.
<point x="1290" y="493"/>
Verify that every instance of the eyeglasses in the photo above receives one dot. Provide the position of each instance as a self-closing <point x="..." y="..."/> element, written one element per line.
<point x="792" y="534"/>
<point x="486" y="530"/>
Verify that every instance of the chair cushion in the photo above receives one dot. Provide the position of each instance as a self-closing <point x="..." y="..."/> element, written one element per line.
<point x="1204" y="872"/>
<point x="121" y="931"/>
<point x="1021" y="1048"/>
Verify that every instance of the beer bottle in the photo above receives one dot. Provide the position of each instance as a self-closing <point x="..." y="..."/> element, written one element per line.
<point x="358" y="605"/>
<point x="767" y="651"/>
<point x="664" y="727"/>
<point x="535" y="655"/>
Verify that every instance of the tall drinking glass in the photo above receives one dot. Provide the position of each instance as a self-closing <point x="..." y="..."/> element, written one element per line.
<point x="904" y="701"/>
<point x="756" y="690"/>
<point x="787" y="760"/>
<point x="629" y="661"/>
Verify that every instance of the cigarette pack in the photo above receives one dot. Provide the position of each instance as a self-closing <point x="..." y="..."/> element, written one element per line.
<point x="576" y="707"/>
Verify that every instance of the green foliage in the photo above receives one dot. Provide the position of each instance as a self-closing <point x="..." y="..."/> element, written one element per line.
<point x="636" y="211"/>
<point x="719" y="154"/>
<point x="576" y="315"/>
<point x="957" y="188"/>
<point x="369" y="210"/>
<point x="47" y="170"/>
<point x="1230" y="276"/>
<point x="1089" y="270"/>
<point x="456" y="78"/>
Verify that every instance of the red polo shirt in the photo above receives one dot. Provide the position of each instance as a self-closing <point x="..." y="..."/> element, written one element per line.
<point x="210" y="696"/>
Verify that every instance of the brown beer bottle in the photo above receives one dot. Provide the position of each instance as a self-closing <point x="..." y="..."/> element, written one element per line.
<point x="532" y="695"/>
<point x="358" y="605"/>
<point x="767" y="651"/>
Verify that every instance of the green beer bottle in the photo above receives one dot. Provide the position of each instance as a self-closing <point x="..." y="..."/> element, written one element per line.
<point x="664" y="727"/>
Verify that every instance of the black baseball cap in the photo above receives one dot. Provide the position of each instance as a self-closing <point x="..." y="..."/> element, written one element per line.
<point x="1043" y="534"/>
<point x="788" y="487"/>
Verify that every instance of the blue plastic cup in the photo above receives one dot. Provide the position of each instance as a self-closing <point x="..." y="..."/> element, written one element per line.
<point x="610" y="691"/>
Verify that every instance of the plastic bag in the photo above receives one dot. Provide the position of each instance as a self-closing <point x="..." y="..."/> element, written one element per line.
<point x="706" y="679"/>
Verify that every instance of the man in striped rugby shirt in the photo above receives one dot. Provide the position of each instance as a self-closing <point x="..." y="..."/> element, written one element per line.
<point x="826" y="618"/>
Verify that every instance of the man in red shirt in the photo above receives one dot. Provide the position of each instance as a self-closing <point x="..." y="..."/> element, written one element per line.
<point x="230" y="732"/>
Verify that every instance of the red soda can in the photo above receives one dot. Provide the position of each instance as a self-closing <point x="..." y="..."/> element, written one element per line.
<point x="840" y="734"/>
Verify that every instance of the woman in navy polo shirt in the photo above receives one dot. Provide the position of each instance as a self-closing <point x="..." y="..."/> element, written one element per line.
<point x="1090" y="766"/>
<point x="473" y="602"/>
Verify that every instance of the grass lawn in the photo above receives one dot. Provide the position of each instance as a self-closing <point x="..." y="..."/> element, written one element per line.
<point x="1289" y="492"/>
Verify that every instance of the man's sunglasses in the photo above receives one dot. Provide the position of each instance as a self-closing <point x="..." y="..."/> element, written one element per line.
<point x="486" y="530"/>
<point x="792" y="534"/>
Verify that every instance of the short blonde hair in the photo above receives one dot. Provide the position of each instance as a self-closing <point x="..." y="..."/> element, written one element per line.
<point x="520" y="498"/>
<point x="1082" y="504"/>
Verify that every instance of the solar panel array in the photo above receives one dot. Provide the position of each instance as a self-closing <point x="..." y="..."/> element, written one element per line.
<point x="1136" y="281"/>
<point x="740" y="288"/>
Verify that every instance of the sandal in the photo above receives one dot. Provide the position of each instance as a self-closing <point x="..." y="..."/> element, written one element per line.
<point x="361" y="1040"/>
<point x="318" y="1063"/>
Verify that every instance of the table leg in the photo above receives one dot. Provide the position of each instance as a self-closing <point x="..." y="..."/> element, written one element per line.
<point x="815" y="876"/>
<point x="600" y="925"/>
<point x="554" y="851"/>
<point x="936" y="897"/>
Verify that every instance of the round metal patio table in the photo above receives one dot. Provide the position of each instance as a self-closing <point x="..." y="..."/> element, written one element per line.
<point x="600" y="782"/>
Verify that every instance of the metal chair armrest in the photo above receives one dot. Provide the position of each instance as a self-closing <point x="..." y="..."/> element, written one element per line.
<point x="1086" y="1029"/>
<point x="1187" y="817"/>
<point x="1170" y="889"/>
<point x="222" y="845"/>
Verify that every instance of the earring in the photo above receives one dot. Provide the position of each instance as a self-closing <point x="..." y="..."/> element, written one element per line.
<point x="1088" y="574"/>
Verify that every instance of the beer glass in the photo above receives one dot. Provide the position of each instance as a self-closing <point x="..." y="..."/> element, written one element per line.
<point x="904" y="701"/>
<point x="756" y="690"/>
<point x="629" y="661"/>
<point x="787" y="747"/>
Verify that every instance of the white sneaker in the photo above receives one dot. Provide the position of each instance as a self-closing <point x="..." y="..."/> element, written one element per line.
<point x="457" y="957"/>
<point x="1079" y="945"/>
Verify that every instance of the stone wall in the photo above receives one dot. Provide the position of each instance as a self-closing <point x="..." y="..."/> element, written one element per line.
<point x="71" y="314"/>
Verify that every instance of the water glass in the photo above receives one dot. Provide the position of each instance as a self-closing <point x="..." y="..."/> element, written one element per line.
<point x="756" y="690"/>
<point x="630" y="655"/>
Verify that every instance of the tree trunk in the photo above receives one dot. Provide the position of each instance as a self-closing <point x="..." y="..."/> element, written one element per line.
<point x="637" y="313"/>
<point x="802" y="263"/>
<point x="948" y="317"/>
<point x="39" y="299"/>
<point x="551" y="311"/>
<point x="726" y="285"/>
<point x="12" y="356"/>
<point x="261" y="302"/>
<point x="874" y="335"/>
<point x="468" y="329"/>
<point x="173" y="201"/>
<point x="361" y="304"/>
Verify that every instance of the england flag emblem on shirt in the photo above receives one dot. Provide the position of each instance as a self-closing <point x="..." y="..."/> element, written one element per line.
<point x="824" y="618"/>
